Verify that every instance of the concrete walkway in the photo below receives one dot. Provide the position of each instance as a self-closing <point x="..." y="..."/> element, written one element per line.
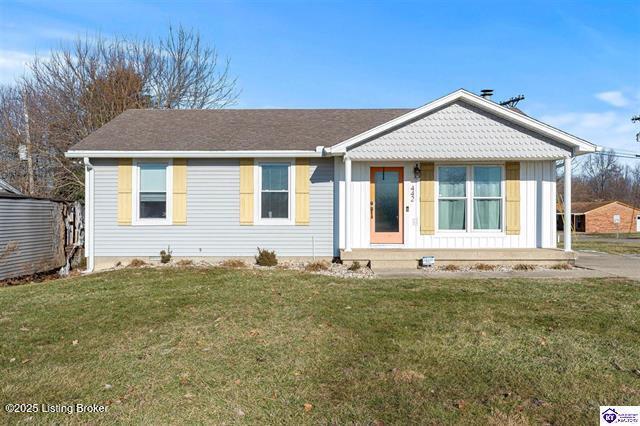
<point x="614" y="265"/>
<point x="589" y="265"/>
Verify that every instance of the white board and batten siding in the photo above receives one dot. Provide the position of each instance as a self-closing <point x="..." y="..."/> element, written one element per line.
<point x="213" y="217"/>
<point x="537" y="211"/>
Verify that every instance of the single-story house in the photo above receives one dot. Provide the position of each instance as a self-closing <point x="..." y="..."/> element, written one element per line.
<point x="462" y="178"/>
<point x="596" y="217"/>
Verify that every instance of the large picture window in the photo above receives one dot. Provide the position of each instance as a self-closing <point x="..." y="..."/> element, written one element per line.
<point x="274" y="191"/>
<point x="153" y="190"/>
<point x="452" y="198"/>
<point x="470" y="198"/>
<point x="487" y="197"/>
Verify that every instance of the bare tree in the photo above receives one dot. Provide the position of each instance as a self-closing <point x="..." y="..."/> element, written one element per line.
<point x="76" y="89"/>
<point x="604" y="175"/>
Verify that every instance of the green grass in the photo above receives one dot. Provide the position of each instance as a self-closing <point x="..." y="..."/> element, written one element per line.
<point x="239" y="346"/>
<point x="605" y="246"/>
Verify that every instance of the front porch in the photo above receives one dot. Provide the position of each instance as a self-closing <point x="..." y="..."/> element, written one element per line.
<point x="396" y="258"/>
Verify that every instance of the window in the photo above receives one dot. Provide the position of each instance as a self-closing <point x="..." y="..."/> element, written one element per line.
<point x="470" y="198"/>
<point x="487" y="197"/>
<point x="274" y="191"/>
<point x="152" y="190"/>
<point x="452" y="198"/>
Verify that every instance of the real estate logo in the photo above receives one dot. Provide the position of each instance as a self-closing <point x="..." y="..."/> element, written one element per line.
<point x="629" y="415"/>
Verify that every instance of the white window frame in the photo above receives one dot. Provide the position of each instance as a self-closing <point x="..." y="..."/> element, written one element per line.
<point x="135" y="193"/>
<point x="501" y="198"/>
<point x="258" y="219"/>
<point x="465" y="198"/>
<point x="470" y="196"/>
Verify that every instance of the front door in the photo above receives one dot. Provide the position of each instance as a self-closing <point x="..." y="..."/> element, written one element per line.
<point x="385" y="210"/>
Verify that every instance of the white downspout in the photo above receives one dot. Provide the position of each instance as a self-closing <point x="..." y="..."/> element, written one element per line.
<point x="567" y="203"/>
<point x="88" y="214"/>
<point x="347" y="204"/>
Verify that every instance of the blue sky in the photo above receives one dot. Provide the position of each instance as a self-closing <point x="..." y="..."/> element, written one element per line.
<point x="577" y="62"/>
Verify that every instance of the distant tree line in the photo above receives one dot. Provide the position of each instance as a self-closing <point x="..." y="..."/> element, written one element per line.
<point x="74" y="90"/>
<point x="602" y="177"/>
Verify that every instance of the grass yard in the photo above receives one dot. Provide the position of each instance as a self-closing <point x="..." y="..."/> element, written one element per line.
<point x="243" y="346"/>
<point x="612" y="247"/>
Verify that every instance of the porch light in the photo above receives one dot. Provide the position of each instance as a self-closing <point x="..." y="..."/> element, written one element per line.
<point x="416" y="171"/>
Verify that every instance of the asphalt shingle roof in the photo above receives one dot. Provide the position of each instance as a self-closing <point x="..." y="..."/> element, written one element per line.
<point x="233" y="129"/>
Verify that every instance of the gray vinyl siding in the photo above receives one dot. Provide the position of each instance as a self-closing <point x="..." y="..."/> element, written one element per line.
<point x="29" y="237"/>
<point x="213" y="217"/>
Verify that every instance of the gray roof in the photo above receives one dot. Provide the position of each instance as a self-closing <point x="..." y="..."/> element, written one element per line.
<point x="233" y="129"/>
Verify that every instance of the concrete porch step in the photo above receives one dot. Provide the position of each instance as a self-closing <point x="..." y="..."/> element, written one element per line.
<point x="393" y="258"/>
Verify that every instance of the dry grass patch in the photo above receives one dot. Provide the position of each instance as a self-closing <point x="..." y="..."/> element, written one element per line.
<point x="234" y="263"/>
<point x="137" y="263"/>
<point x="484" y="267"/>
<point x="355" y="266"/>
<point x="451" y="268"/>
<point x="561" y="266"/>
<point x="317" y="266"/>
<point x="524" y="267"/>
<point x="184" y="263"/>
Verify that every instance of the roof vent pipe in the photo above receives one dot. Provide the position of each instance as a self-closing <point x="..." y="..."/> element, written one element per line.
<point x="486" y="93"/>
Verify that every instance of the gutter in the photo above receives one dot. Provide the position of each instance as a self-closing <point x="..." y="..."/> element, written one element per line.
<point x="89" y="215"/>
<point x="318" y="152"/>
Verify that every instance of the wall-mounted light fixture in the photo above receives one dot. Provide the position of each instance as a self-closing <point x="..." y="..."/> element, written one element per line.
<point x="416" y="171"/>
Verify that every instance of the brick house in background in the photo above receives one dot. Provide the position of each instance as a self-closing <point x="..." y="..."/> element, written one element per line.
<point x="601" y="217"/>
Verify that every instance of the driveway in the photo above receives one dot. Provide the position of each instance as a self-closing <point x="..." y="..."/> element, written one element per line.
<point x="616" y="265"/>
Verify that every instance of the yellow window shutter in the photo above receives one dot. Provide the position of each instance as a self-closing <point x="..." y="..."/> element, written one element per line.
<point x="427" y="199"/>
<point x="246" y="191"/>
<point x="125" y="169"/>
<point x="302" y="191"/>
<point x="179" y="191"/>
<point x="513" y="198"/>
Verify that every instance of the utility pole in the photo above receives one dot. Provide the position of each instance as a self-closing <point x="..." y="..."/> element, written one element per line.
<point x="27" y="137"/>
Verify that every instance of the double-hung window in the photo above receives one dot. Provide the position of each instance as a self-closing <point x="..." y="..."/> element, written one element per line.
<point x="470" y="198"/>
<point x="152" y="192"/>
<point x="487" y="198"/>
<point x="274" y="191"/>
<point x="452" y="198"/>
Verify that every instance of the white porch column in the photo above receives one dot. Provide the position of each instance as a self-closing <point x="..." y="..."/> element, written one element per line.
<point x="567" y="204"/>
<point x="347" y="203"/>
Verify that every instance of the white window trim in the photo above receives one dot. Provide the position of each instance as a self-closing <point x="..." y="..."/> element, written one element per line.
<point x="469" y="197"/>
<point x="501" y="198"/>
<point x="135" y="194"/>
<point x="258" y="219"/>
<point x="465" y="198"/>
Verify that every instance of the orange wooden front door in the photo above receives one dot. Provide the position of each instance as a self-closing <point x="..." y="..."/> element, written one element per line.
<point x="385" y="211"/>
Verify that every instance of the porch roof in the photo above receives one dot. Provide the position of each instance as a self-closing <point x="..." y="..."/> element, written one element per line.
<point x="460" y="131"/>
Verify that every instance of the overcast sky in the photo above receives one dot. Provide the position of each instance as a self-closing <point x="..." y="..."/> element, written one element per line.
<point x="577" y="62"/>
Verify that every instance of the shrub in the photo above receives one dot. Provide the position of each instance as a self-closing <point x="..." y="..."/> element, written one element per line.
<point x="165" y="256"/>
<point x="233" y="263"/>
<point x="560" y="266"/>
<point x="523" y="267"/>
<point x="319" y="265"/>
<point x="137" y="263"/>
<point x="184" y="263"/>
<point x="355" y="266"/>
<point x="266" y="257"/>
<point x="450" y="268"/>
<point x="484" y="267"/>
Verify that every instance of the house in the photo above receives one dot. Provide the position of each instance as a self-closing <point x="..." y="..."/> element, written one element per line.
<point x="462" y="178"/>
<point x="602" y="217"/>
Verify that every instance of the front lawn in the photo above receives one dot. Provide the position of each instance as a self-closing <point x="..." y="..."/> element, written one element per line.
<point x="227" y="346"/>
